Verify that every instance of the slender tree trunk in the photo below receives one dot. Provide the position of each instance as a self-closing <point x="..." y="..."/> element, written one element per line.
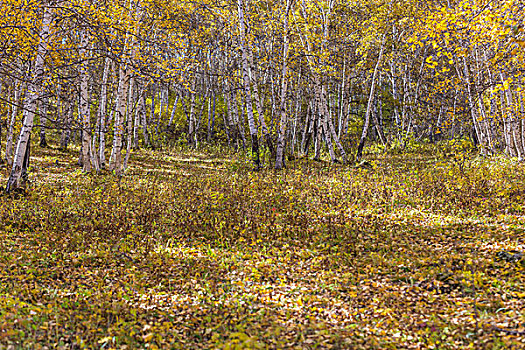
<point x="173" y="110"/>
<point x="377" y="122"/>
<point x="129" y="121"/>
<point x="43" y="121"/>
<point x="239" y="123"/>
<point x="115" y="161"/>
<point x="522" y="110"/>
<point x="295" y="121"/>
<point x="228" y="121"/>
<point x="191" y="119"/>
<point x="67" y="119"/>
<point x="472" y="107"/>
<point x="163" y="99"/>
<point x="366" y="125"/>
<point x="144" y="113"/>
<point x="308" y="130"/>
<point x="279" y="158"/>
<point x="340" y="114"/>
<point x="152" y="111"/>
<point x="21" y="156"/>
<point x="211" y="119"/>
<point x="101" y="116"/>
<point x="305" y="131"/>
<point x="323" y="126"/>
<point x="84" y="109"/>
<point x="138" y="113"/>
<point x="198" y="121"/>
<point x="260" y="110"/>
<point x="15" y="110"/>
<point x="246" y="80"/>
<point x="330" y="126"/>
<point x="226" y="127"/>
<point x="512" y="123"/>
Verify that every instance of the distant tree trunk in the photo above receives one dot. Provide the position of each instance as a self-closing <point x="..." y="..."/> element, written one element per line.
<point x="260" y="110"/>
<point x="1" y="127"/>
<point x="246" y="80"/>
<point x="25" y="163"/>
<point x="485" y="122"/>
<point x="295" y="121"/>
<point x="173" y="110"/>
<point x="232" y="117"/>
<point x="238" y="122"/>
<point x="366" y="125"/>
<point x="138" y="113"/>
<point x="211" y="120"/>
<point x="85" y="117"/>
<point x="230" y="131"/>
<point x="522" y="111"/>
<point x="512" y="123"/>
<point x="318" y="134"/>
<point x="101" y="116"/>
<point x="129" y="121"/>
<point x="226" y="127"/>
<point x="479" y="132"/>
<point x="43" y="121"/>
<point x="321" y="101"/>
<point x="165" y="103"/>
<point x="307" y="131"/>
<point x="21" y="156"/>
<point x="163" y="100"/>
<point x="15" y="109"/>
<point x="330" y="126"/>
<point x="191" y="119"/>
<point x="115" y="161"/>
<point x="377" y="122"/>
<point x="340" y="109"/>
<point x="152" y="111"/>
<point x="199" y="120"/>
<point x="279" y="157"/>
<point x="67" y="119"/>
<point x="145" y="133"/>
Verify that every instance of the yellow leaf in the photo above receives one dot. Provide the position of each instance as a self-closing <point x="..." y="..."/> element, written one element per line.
<point x="104" y="340"/>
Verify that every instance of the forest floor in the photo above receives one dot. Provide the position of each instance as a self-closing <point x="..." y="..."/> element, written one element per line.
<point x="193" y="250"/>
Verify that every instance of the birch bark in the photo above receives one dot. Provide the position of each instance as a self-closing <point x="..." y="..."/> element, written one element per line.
<point x="21" y="156"/>
<point x="15" y="110"/>
<point x="279" y="158"/>
<point x="101" y="115"/>
<point x="115" y="160"/>
<point x="243" y="26"/>
<point x="84" y="109"/>
<point x="369" y="105"/>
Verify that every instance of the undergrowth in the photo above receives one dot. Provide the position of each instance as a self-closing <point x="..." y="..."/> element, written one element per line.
<point x="195" y="250"/>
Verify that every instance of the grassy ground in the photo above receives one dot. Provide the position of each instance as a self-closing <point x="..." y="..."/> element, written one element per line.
<point x="193" y="250"/>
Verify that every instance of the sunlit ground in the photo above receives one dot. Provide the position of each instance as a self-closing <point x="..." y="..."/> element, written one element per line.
<point x="196" y="251"/>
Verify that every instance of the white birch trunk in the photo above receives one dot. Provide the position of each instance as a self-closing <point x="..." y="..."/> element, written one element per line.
<point x="115" y="160"/>
<point x="85" y="117"/>
<point x="129" y="122"/>
<point x="101" y="116"/>
<point x="33" y="93"/>
<point x="369" y="105"/>
<point x="173" y="110"/>
<point x="246" y="80"/>
<point x="15" y="109"/>
<point x="279" y="157"/>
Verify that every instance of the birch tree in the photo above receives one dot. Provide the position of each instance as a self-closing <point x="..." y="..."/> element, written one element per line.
<point x="21" y="155"/>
